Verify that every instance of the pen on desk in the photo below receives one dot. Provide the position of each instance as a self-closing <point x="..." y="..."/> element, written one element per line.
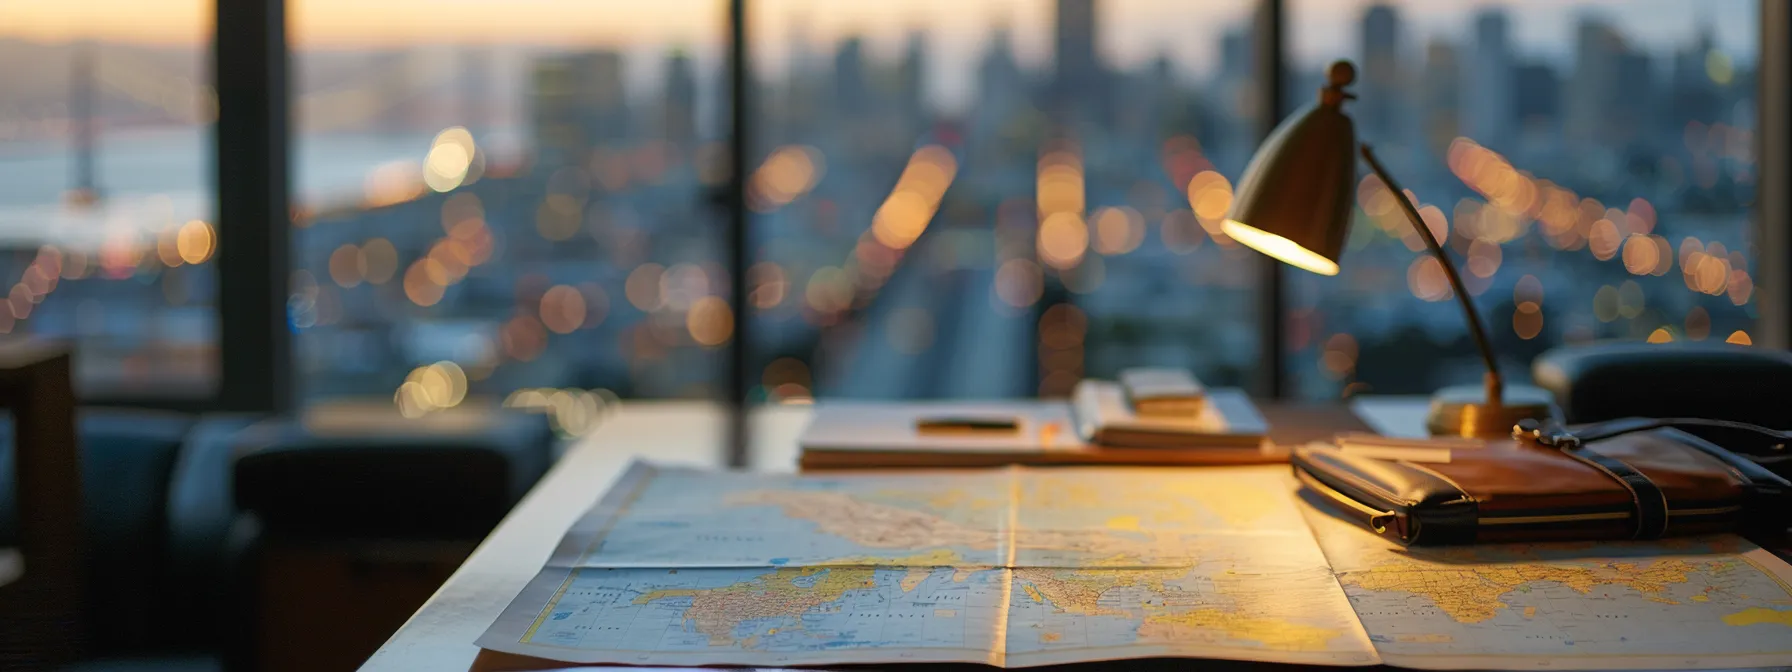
<point x="964" y="425"/>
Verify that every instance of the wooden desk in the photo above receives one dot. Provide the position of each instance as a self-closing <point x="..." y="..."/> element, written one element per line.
<point x="440" y="635"/>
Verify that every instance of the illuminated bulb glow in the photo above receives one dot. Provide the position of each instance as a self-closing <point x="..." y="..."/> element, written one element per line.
<point x="1283" y="249"/>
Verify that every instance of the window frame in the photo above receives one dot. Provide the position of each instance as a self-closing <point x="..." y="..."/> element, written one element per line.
<point x="251" y="173"/>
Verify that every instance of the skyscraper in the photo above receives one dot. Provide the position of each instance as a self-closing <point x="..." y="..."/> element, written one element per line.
<point x="1536" y="99"/>
<point x="576" y="105"/>
<point x="1694" y="96"/>
<point x="1077" y="80"/>
<point x="1001" y="87"/>
<point x="911" y="80"/>
<point x="679" y="118"/>
<point x="1378" y="108"/>
<point x="851" y="96"/>
<point x="1598" y="111"/>
<point x="1440" y="91"/>
<point x="1487" y="86"/>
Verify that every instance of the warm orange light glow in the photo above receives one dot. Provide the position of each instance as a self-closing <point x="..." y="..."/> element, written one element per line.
<point x="1739" y="337"/>
<point x="1604" y="239"/>
<point x="562" y="309"/>
<point x="787" y="174"/>
<point x="1209" y="195"/>
<point x="420" y="286"/>
<point x="902" y="218"/>
<point x="643" y="287"/>
<point x="1118" y="230"/>
<point x="1527" y="321"/>
<point x="168" y="246"/>
<point x="449" y="158"/>
<point x="710" y="321"/>
<point x="1280" y="248"/>
<point x="1426" y="280"/>
<point x="1661" y="335"/>
<point x="1063" y="238"/>
<point x="1060" y="183"/>
<point x="196" y="241"/>
<point x="393" y="183"/>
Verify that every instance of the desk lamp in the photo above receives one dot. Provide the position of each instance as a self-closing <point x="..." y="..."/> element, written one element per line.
<point x="1294" y="204"/>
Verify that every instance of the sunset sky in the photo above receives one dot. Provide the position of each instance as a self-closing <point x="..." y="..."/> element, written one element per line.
<point x="1133" y="31"/>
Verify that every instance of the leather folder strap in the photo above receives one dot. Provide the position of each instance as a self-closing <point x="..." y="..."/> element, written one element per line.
<point x="1650" y="519"/>
<point x="1751" y="468"/>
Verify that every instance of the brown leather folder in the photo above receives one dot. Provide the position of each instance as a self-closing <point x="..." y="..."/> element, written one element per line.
<point x="1628" y="479"/>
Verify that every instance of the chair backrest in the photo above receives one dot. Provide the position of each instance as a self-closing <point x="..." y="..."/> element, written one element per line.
<point x="40" y="606"/>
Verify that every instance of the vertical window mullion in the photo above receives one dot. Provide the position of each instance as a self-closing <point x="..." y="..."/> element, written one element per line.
<point x="1773" y="204"/>
<point x="249" y="65"/>
<point x="739" y="258"/>
<point x="1268" y="29"/>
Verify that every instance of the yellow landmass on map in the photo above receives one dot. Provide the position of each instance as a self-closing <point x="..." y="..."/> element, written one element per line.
<point x="939" y="557"/>
<point x="1269" y="632"/>
<point x="717" y="612"/>
<point x="879" y="525"/>
<point x="1079" y="592"/>
<point x="1162" y="503"/>
<point x="1760" y="616"/>
<point x="914" y="576"/>
<point x="1471" y="594"/>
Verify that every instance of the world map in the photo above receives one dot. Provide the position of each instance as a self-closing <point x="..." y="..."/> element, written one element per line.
<point x="1565" y="605"/>
<point x="1023" y="567"/>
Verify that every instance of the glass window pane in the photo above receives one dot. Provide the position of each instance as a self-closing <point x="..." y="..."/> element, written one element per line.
<point x="508" y="196"/>
<point x="106" y="196"/>
<point x="988" y="199"/>
<point x="1592" y="164"/>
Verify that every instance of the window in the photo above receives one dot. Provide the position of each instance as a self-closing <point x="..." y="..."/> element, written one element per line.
<point x="1592" y="165"/>
<point x="106" y="199"/>
<point x="993" y="199"/>
<point x="530" y="201"/>
<point x="508" y="197"/>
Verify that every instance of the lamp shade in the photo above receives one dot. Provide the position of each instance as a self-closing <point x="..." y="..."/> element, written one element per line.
<point x="1293" y="202"/>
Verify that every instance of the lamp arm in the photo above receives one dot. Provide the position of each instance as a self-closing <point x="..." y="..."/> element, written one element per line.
<point x="1495" y="386"/>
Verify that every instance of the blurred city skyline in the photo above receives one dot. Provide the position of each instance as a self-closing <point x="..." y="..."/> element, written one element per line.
<point x="1132" y="33"/>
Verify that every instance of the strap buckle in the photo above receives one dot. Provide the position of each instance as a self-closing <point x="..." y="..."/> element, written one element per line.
<point x="1547" y="432"/>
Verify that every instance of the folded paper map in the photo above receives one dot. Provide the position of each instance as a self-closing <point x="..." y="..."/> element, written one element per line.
<point x="1024" y="567"/>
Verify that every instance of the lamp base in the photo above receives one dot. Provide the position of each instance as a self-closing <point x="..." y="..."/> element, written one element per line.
<point x="1464" y="411"/>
